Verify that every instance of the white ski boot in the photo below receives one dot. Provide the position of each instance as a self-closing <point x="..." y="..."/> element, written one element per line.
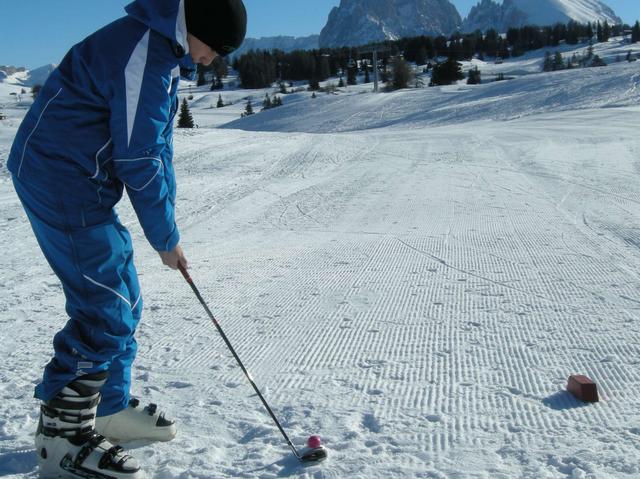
<point x="67" y="445"/>
<point x="135" y="423"/>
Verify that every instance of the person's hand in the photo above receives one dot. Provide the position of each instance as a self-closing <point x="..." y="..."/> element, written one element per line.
<point x="173" y="258"/>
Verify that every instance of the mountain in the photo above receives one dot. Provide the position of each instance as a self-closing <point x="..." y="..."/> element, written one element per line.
<point x="10" y="69"/>
<point x="358" y="22"/>
<point x="516" y="13"/>
<point x="286" y="44"/>
<point x="39" y="75"/>
<point x="26" y="78"/>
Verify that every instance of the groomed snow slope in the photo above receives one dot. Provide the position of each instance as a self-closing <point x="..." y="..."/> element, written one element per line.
<point x="415" y="288"/>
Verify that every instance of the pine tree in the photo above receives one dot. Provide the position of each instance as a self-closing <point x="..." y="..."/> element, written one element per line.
<point x="367" y="79"/>
<point x="474" y="77"/>
<point x="606" y="31"/>
<point x="352" y="75"/>
<point x="558" y="62"/>
<point x="585" y="60"/>
<point x="185" y="120"/>
<point x="573" y="32"/>
<point x="421" y="55"/>
<point x="635" y="33"/>
<point x="446" y="73"/>
<point x="201" y="78"/>
<point x="220" y="69"/>
<point x="598" y="62"/>
<point x="548" y="62"/>
<point x="341" y="83"/>
<point x="402" y="74"/>
<point x="266" y="104"/>
<point x="599" y="32"/>
<point x="283" y="88"/>
<point x="35" y="90"/>
<point x="220" y="102"/>
<point x="249" y="108"/>
<point x="217" y="84"/>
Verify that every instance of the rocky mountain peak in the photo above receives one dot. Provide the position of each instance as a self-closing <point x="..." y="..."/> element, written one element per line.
<point x="358" y="22"/>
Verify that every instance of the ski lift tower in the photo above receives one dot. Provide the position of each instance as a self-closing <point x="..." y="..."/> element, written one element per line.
<point x="375" y="49"/>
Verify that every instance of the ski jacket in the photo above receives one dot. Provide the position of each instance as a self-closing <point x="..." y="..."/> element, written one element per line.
<point x="103" y="121"/>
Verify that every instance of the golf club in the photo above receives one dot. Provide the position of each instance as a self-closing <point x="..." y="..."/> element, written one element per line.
<point x="316" y="452"/>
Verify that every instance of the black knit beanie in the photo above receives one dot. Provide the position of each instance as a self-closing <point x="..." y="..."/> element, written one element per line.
<point x="221" y="24"/>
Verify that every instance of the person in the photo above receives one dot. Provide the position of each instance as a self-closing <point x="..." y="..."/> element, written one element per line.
<point x="103" y="123"/>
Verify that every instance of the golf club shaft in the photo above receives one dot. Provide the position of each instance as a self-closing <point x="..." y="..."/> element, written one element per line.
<point x="187" y="277"/>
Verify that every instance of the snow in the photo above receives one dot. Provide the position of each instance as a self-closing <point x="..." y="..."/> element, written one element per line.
<point x="548" y="12"/>
<point x="284" y="43"/>
<point x="503" y="15"/>
<point x="413" y="276"/>
<point x="451" y="105"/>
<point x="29" y="78"/>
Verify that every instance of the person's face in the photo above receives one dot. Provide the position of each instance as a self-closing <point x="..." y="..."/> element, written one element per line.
<point x="200" y="51"/>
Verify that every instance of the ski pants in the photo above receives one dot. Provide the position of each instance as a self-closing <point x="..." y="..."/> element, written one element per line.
<point x="95" y="266"/>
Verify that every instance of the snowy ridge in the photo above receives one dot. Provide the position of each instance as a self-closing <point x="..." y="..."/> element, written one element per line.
<point x="286" y="44"/>
<point x="516" y="13"/>
<point x="27" y="78"/>
<point x="415" y="287"/>
<point x="582" y="11"/>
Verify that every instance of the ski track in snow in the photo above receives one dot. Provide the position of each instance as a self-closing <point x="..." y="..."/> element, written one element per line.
<point x="418" y="297"/>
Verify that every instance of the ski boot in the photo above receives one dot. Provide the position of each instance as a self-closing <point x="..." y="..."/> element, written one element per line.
<point x="136" y="423"/>
<point x="67" y="445"/>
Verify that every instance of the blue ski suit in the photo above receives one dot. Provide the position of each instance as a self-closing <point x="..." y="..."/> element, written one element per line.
<point x="103" y="122"/>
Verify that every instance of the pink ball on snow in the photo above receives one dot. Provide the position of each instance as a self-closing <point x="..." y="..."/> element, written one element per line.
<point x="314" y="442"/>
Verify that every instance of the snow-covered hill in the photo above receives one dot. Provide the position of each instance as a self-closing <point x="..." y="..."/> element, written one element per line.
<point x="358" y="22"/>
<point x="27" y="78"/>
<point x="502" y="15"/>
<point x="415" y="284"/>
<point x="284" y="43"/>
<point x="527" y="93"/>
<point x="521" y="97"/>
<point x="10" y="69"/>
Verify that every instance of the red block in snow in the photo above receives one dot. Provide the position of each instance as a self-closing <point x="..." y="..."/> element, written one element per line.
<point x="583" y="388"/>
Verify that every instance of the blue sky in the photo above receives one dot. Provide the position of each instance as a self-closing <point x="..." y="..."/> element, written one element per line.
<point x="37" y="32"/>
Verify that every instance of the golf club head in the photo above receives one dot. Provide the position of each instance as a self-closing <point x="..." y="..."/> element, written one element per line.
<point x="317" y="454"/>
